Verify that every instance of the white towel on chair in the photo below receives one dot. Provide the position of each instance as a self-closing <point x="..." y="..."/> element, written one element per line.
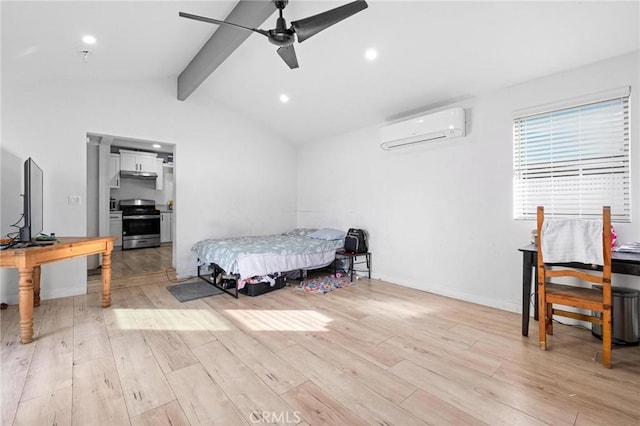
<point x="572" y="240"/>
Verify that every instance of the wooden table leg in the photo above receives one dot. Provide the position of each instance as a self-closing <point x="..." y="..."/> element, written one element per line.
<point x="25" y="303"/>
<point x="36" y="286"/>
<point x="106" y="279"/>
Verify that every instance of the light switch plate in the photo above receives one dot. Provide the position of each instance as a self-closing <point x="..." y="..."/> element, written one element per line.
<point x="74" y="200"/>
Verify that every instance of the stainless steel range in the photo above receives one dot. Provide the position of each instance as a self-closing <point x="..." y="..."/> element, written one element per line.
<point x="140" y="224"/>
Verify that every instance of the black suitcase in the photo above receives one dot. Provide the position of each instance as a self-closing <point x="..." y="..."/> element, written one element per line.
<point x="262" y="288"/>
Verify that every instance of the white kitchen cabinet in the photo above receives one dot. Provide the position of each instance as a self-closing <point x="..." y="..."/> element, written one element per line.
<point x="114" y="171"/>
<point x="115" y="227"/>
<point x="135" y="161"/>
<point x="160" y="172"/>
<point x="166" y="227"/>
<point x="128" y="161"/>
<point x="147" y="162"/>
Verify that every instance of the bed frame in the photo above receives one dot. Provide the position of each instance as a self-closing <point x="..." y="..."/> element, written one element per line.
<point x="211" y="279"/>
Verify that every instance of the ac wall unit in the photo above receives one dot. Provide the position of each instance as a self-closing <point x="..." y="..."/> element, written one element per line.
<point x="427" y="128"/>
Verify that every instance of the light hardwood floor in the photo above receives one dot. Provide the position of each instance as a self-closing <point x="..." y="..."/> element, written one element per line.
<point x="374" y="353"/>
<point x="125" y="263"/>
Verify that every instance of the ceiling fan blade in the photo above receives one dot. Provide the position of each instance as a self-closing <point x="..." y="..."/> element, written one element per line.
<point x="288" y="54"/>
<point x="218" y="22"/>
<point x="312" y="25"/>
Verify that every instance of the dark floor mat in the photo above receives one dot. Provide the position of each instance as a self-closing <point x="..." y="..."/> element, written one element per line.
<point x="193" y="290"/>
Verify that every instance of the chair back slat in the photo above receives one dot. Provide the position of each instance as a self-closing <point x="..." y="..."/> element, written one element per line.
<point x="596" y="279"/>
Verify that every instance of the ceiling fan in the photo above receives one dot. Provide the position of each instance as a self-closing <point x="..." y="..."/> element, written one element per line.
<point x="302" y="28"/>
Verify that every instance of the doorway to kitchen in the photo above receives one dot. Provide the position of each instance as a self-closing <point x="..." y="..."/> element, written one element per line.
<point x="121" y="171"/>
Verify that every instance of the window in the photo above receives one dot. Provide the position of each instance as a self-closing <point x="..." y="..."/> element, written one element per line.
<point x="573" y="160"/>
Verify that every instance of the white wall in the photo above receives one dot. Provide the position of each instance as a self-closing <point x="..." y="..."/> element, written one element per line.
<point x="439" y="215"/>
<point x="93" y="227"/>
<point x="226" y="181"/>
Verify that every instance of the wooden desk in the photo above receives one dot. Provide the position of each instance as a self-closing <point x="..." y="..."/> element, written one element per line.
<point x="621" y="263"/>
<point x="28" y="261"/>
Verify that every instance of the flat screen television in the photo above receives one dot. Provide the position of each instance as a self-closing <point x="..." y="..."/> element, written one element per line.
<point x="33" y="201"/>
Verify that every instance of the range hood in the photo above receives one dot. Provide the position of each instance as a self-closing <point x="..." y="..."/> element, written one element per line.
<point x="138" y="175"/>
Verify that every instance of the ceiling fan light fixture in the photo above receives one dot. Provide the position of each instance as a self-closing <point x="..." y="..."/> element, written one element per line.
<point x="284" y="98"/>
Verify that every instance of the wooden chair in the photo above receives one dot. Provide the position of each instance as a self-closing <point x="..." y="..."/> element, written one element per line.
<point x="550" y="294"/>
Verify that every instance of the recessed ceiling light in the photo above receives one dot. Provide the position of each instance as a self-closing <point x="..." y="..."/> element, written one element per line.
<point x="156" y="146"/>
<point x="371" y="54"/>
<point x="88" y="39"/>
<point x="284" y="98"/>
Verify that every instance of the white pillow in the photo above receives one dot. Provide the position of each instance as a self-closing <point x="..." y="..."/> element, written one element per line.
<point x="328" y="234"/>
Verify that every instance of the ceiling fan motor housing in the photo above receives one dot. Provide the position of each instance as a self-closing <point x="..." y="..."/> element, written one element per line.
<point x="281" y="4"/>
<point x="281" y="36"/>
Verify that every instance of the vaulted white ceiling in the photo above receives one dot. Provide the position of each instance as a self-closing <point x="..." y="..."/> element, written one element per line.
<point x="430" y="53"/>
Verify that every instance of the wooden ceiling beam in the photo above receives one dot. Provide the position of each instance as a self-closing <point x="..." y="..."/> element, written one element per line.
<point x="223" y="43"/>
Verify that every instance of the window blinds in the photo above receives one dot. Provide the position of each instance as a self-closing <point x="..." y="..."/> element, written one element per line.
<point x="573" y="161"/>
